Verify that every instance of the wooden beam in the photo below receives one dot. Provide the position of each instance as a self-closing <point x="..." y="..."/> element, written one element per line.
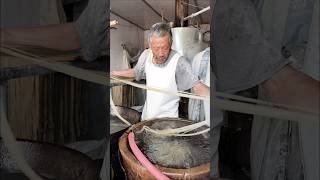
<point x="126" y="19"/>
<point x="180" y="13"/>
<point x="154" y="10"/>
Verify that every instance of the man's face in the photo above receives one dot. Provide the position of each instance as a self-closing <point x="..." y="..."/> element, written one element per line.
<point x="160" y="47"/>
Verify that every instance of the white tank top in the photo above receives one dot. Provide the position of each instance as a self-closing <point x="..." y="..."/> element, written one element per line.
<point x="159" y="104"/>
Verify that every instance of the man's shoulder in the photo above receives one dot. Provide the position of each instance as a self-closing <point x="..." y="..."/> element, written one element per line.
<point x="147" y="50"/>
<point x="181" y="57"/>
<point x="144" y="55"/>
<point x="183" y="64"/>
<point x="174" y="52"/>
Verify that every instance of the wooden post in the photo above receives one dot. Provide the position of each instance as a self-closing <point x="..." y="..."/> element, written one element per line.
<point x="181" y="12"/>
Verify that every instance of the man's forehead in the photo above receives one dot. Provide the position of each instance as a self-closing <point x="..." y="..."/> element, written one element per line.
<point x="166" y="34"/>
<point x="155" y="37"/>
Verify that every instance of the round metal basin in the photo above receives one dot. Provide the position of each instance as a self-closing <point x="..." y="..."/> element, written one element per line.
<point x="187" y="41"/>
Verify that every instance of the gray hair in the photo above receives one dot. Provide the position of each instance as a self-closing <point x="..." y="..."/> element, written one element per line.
<point x="159" y="30"/>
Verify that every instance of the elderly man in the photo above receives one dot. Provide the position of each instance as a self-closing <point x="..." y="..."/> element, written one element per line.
<point x="166" y="69"/>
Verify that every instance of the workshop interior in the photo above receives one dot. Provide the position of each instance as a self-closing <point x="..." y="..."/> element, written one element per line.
<point x="150" y="89"/>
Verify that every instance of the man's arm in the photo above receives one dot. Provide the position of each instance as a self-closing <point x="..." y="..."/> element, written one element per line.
<point x="137" y="71"/>
<point x="129" y="73"/>
<point x="59" y="37"/>
<point x="292" y="87"/>
<point x="201" y="89"/>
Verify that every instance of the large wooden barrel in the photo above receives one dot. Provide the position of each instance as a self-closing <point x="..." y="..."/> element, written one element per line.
<point x="117" y="128"/>
<point x="135" y="170"/>
<point x="49" y="161"/>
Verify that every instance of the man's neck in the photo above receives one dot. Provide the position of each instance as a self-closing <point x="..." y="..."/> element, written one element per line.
<point x="154" y="61"/>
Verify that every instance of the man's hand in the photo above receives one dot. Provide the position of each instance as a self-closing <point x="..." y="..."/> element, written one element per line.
<point x="113" y="23"/>
<point x="201" y="89"/>
<point x="129" y="73"/>
<point x="289" y="86"/>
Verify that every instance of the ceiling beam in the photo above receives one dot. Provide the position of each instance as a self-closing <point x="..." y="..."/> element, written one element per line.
<point x="181" y="11"/>
<point x="154" y="10"/>
<point x="126" y="19"/>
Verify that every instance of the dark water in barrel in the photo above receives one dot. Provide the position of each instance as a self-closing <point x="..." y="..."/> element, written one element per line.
<point x="173" y="152"/>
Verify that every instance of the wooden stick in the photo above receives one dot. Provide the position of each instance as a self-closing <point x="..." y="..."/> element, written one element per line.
<point x="197" y="13"/>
